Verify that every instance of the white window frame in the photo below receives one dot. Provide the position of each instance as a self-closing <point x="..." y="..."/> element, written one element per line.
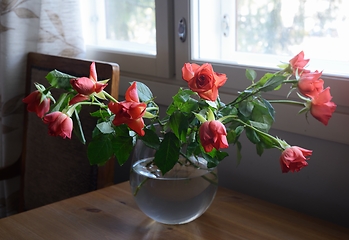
<point x="160" y="65"/>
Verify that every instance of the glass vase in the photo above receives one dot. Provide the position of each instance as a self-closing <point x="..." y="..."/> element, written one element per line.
<point x="180" y="196"/>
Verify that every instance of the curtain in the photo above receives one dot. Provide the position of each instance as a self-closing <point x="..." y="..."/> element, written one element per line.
<point x="45" y="26"/>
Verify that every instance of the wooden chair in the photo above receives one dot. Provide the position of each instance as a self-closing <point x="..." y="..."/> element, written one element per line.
<point x="54" y="168"/>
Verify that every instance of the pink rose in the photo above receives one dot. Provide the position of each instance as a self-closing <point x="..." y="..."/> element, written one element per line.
<point x="310" y="84"/>
<point x="203" y="80"/>
<point x="86" y="86"/>
<point x="59" y="124"/>
<point x="298" y="62"/>
<point x="294" y="159"/>
<point x="213" y="135"/>
<point x="36" y="105"/>
<point x="129" y="112"/>
<point x="321" y="106"/>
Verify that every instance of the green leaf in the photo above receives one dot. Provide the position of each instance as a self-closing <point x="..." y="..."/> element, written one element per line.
<point x="58" y="79"/>
<point x="259" y="148"/>
<point x="270" y="108"/>
<point x="245" y="108"/>
<point x="167" y="155"/>
<point x="179" y="125"/>
<point x="273" y="83"/>
<point x="100" y="149"/>
<point x="211" y="161"/>
<point x="227" y="110"/>
<point x="122" y="148"/>
<point x="183" y="102"/>
<point x="260" y="126"/>
<point x="105" y="127"/>
<point x="100" y="113"/>
<point x="250" y="74"/>
<point x="144" y="93"/>
<point x="252" y="135"/>
<point x="61" y="103"/>
<point x="151" y="139"/>
<point x="264" y="79"/>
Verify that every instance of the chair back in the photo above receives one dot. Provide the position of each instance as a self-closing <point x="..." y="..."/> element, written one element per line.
<point x="54" y="168"/>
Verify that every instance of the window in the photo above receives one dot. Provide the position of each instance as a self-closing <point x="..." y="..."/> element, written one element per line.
<point x="125" y="26"/>
<point x="235" y="34"/>
<point x="232" y="35"/>
<point x="131" y="33"/>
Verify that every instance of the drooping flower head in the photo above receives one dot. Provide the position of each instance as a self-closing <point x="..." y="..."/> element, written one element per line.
<point x="298" y="63"/>
<point x="213" y="135"/>
<point x="130" y="111"/>
<point x="294" y="159"/>
<point x="310" y="84"/>
<point x="59" y="124"/>
<point x="321" y="106"/>
<point x="37" y="103"/>
<point x="86" y="86"/>
<point x="203" y="80"/>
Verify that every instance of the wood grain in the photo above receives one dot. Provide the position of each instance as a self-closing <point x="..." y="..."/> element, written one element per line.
<point x="111" y="213"/>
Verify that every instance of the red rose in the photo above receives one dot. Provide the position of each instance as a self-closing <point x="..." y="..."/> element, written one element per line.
<point x="35" y="104"/>
<point x="321" y="106"/>
<point x="298" y="62"/>
<point x="294" y="159"/>
<point x="213" y="135"/>
<point x="310" y="84"/>
<point x="59" y="124"/>
<point x="129" y="112"/>
<point x="86" y="86"/>
<point x="203" y="80"/>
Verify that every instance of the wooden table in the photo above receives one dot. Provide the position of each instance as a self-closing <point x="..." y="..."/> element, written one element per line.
<point x="111" y="213"/>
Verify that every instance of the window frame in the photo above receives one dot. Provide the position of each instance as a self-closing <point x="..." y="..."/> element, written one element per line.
<point x="160" y="65"/>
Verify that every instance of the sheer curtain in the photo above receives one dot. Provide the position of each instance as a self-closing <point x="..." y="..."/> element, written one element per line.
<point x="46" y="26"/>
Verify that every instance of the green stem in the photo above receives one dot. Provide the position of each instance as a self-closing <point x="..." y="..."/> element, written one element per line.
<point x="73" y="107"/>
<point x="287" y="101"/>
<point x="276" y="140"/>
<point x="237" y="100"/>
<point x="290" y="81"/>
<point x="140" y="185"/>
<point x="110" y="96"/>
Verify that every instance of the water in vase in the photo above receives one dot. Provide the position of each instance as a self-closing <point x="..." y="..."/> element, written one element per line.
<point x="182" y="195"/>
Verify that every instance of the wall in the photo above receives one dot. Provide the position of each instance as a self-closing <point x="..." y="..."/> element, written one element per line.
<point x="321" y="189"/>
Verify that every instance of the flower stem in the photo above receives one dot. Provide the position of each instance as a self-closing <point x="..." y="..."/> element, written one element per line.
<point x="110" y="96"/>
<point x="287" y="101"/>
<point x="139" y="186"/>
<point x="280" y="143"/>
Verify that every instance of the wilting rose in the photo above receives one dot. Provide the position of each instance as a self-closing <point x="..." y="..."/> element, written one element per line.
<point x="203" y="80"/>
<point x="129" y="112"/>
<point x="298" y="62"/>
<point x="59" y="124"/>
<point x="321" y="106"/>
<point x="294" y="159"/>
<point x="86" y="86"/>
<point x="310" y="84"/>
<point x="213" y="135"/>
<point x="36" y="105"/>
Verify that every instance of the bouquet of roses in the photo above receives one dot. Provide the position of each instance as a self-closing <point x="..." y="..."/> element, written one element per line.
<point x="197" y="122"/>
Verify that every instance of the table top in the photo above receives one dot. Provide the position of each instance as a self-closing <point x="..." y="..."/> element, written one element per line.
<point x="112" y="213"/>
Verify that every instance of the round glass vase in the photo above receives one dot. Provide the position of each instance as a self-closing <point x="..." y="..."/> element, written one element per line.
<point x="178" y="197"/>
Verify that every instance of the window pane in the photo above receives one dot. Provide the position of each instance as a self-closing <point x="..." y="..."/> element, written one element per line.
<point x="264" y="32"/>
<point x="124" y="25"/>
